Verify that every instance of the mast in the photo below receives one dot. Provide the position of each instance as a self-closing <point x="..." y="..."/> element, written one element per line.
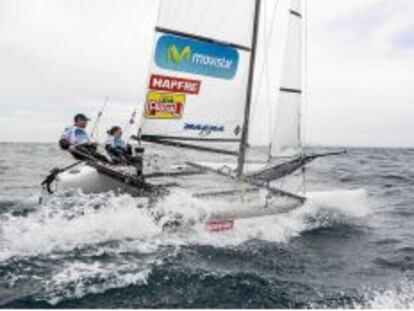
<point x="249" y="95"/>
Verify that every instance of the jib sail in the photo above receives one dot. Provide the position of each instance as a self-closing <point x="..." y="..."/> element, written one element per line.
<point x="286" y="140"/>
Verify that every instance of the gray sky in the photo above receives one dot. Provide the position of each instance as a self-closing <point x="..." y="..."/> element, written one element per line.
<point x="58" y="57"/>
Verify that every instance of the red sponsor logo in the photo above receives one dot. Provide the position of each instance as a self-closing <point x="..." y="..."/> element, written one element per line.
<point x="171" y="109"/>
<point x="223" y="225"/>
<point x="164" y="105"/>
<point x="172" y="84"/>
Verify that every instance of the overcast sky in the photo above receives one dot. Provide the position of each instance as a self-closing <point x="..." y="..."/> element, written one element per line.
<point x="58" y="57"/>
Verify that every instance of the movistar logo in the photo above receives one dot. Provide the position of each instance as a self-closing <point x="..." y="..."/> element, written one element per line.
<point x="196" y="57"/>
<point x="177" y="56"/>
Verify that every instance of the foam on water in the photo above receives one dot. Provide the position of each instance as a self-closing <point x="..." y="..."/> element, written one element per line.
<point x="56" y="227"/>
<point x="398" y="296"/>
<point x="107" y="224"/>
<point x="323" y="209"/>
<point x="63" y="225"/>
<point x="77" y="279"/>
<point x="394" y="295"/>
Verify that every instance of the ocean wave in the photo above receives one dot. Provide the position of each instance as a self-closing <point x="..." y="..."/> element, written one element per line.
<point x="93" y="243"/>
<point x="66" y="224"/>
<point x="397" y="296"/>
<point x="78" y="221"/>
<point x="77" y="279"/>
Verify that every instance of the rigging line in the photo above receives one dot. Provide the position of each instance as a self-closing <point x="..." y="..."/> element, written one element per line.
<point x="305" y="97"/>
<point x="98" y="119"/>
<point x="165" y="6"/>
<point x="226" y="14"/>
<point x="141" y="119"/>
<point x="266" y="72"/>
<point x="130" y="123"/>
<point x="189" y="12"/>
<point x="266" y="49"/>
<point x="269" y="105"/>
<point x="249" y="91"/>
<point x="266" y="53"/>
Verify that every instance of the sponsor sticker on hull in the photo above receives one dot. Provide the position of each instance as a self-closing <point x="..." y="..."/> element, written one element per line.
<point x="222" y="225"/>
<point x="164" y="106"/>
<point x="173" y="84"/>
<point x="196" y="57"/>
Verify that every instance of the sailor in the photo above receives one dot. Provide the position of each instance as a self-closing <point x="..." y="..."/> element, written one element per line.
<point x="115" y="145"/>
<point x="120" y="151"/>
<point x="76" y="140"/>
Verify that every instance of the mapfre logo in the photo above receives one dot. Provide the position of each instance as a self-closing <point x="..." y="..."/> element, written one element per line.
<point x="174" y="84"/>
<point x="196" y="57"/>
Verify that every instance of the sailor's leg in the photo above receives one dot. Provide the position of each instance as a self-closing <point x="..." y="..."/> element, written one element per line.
<point x="88" y="152"/>
<point x="79" y="153"/>
<point x="99" y="156"/>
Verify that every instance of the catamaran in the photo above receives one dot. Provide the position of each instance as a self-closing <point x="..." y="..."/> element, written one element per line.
<point x="200" y="97"/>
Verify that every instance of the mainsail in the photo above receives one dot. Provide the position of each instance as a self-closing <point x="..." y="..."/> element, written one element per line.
<point x="201" y="78"/>
<point x="199" y="74"/>
<point x="286" y="140"/>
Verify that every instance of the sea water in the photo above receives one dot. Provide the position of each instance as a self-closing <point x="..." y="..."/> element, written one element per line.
<point x="351" y="245"/>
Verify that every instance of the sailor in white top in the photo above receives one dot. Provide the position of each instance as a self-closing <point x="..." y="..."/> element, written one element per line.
<point x="76" y="140"/>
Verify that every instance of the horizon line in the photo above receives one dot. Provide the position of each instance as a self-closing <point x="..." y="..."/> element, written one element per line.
<point x="311" y="145"/>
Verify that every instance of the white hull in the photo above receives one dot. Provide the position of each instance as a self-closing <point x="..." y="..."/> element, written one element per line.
<point x="222" y="209"/>
<point x="257" y="210"/>
<point x="88" y="180"/>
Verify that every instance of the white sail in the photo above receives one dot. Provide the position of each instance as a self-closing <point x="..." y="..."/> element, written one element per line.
<point x="286" y="140"/>
<point x="224" y="20"/>
<point x="199" y="72"/>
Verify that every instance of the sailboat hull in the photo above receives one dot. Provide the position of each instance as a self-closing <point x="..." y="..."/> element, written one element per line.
<point x="258" y="210"/>
<point x="225" y="208"/>
<point x="89" y="180"/>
